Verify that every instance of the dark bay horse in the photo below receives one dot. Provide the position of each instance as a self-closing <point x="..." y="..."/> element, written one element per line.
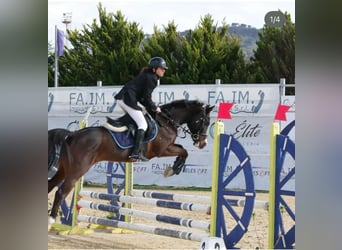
<point x="85" y="147"/>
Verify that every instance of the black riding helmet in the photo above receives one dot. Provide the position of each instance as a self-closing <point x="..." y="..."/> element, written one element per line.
<point x="156" y="62"/>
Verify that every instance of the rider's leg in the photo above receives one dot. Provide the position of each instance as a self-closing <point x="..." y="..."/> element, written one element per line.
<point x="139" y="119"/>
<point x="138" y="144"/>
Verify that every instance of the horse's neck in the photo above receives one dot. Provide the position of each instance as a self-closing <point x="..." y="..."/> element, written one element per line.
<point x="180" y="116"/>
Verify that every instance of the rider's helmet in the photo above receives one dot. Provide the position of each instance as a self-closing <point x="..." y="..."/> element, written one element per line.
<point x="156" y="62"/>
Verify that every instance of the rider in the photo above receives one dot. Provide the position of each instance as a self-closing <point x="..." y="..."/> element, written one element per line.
<point x="139" y="90"/>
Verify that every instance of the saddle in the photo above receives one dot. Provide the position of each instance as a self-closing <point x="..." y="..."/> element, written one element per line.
<point x="126" y="123"/>
<point x="123" y="130"/>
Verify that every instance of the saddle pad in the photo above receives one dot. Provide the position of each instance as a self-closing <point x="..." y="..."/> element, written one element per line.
<point x="125" y="139"/>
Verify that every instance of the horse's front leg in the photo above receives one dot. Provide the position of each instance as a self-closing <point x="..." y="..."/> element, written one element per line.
<point x="182" y="155"/>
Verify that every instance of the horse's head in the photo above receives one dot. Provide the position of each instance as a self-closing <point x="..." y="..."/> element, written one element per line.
<point x="198" y="125"/>
<point x="195" y="114"/>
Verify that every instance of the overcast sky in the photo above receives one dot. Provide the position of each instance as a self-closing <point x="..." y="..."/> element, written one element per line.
<point x="186" y="14"/>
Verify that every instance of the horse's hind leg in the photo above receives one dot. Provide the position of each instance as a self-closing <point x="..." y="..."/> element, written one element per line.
<point x="58" y="178"/>
<point x="60" y="195"/>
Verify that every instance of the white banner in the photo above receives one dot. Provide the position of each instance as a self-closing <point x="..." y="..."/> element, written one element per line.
<point x="252" y="115"/>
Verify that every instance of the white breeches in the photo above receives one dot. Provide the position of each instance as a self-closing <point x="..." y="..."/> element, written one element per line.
<point x="136" y="115"/>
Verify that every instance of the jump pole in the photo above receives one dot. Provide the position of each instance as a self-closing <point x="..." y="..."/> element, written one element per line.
<point x="128" y="187"/>
<point x="218" y="129"/>
<point x="275" y="130"/>
<point x="176" y="197"/>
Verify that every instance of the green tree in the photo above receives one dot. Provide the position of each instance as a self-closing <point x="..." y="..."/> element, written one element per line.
<point x="108" y="51"/>
<point x="198" y="56"/>
<point x="51" y="65"/>
<point x="166" y="43"/>
<point x="274" y="57"/>
<point x="210" y="53"/>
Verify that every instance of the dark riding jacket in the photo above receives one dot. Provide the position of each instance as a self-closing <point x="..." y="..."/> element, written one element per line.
<point x="140" y="90"/>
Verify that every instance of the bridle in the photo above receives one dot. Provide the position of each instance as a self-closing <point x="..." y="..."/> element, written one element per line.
<point x="194" y="136"/>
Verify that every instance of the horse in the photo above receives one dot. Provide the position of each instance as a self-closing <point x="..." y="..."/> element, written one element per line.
<point x="85" y="147"/>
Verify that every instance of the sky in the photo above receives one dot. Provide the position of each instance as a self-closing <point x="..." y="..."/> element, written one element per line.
<point x="185" y="14"/>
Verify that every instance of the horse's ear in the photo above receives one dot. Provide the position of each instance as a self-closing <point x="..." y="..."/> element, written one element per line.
<point x="209" y="108"/>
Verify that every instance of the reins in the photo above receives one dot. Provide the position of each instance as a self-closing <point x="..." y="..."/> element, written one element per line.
<point x="169" y="119"/>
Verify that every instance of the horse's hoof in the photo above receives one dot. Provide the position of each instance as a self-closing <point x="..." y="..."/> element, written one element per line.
<point x="51" y="220"/>
<point x="168" y="172"/>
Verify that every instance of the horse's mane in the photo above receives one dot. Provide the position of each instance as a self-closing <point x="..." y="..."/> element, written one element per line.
<point x="183" y="103"/>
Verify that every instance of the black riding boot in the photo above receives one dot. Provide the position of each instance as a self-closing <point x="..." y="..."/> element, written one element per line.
<point x="138" y="144"/>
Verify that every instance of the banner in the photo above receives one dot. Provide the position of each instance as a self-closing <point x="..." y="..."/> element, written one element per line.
<point x="251" y="115"/>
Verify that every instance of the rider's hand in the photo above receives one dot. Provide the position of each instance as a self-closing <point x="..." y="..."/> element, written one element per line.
<point x="158" y="110"/>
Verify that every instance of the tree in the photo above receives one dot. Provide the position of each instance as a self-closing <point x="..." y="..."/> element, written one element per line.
<point x="274" y="57"/>
<point x="198" y="56"/>
<point x="108" y="51"/>
<point x="51" y="65"/>
<point x="167" y="44"/>
<point x="210" y="53"/>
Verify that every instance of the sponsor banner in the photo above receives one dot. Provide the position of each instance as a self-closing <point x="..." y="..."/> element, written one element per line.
<point x="261" y="173"/>
<point x="253" y="99"/>
<point x="252" y="114"/>
<point x="253" y="132"/>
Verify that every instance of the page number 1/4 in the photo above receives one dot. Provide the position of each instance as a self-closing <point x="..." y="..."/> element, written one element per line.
<point x="274" y="19"/>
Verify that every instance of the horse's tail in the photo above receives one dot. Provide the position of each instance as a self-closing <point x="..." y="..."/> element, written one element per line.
<point x="68" y="139"/>
<point x="56" y="141"/>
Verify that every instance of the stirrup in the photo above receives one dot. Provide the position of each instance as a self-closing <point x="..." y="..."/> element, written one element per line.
<point x="134" y="156"/>
<point x="138" y="157"/>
